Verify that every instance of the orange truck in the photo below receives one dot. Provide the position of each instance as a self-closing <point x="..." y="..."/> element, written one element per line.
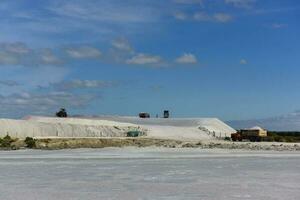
<point x="255" y="134"/>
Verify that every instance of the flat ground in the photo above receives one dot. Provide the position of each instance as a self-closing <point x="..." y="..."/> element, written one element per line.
<point x="149" y="173"/>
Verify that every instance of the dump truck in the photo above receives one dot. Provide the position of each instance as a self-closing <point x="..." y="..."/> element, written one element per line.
<point x="144" y="115"/>
<point x="254" y="134"/>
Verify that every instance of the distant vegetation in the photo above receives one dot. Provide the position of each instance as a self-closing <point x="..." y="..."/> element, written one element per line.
<point x="283" y="136"/>
<point x="272" y="136"/>
<point x="7" y="143"/>
<point x="30" y="142"/>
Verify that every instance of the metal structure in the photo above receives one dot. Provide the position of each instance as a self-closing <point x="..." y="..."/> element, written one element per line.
<point x="166" y="114"/>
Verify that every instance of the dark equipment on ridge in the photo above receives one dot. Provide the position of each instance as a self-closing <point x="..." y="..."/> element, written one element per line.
<point x="144" y="115"/>
<point x="62" y="113"/>
<point x="166" y="114"/>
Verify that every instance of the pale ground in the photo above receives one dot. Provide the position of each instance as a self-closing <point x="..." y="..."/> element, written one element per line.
<point x="149" y="173"/>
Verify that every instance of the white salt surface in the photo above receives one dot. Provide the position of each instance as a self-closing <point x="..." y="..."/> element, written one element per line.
<point x="173" y="128"/>
<point x="178" y="133"/>
<point x="78" y="121"/>
<point x="149" y="173"/>
<point x="204" y="126"/>
<point x="63" y="127"/>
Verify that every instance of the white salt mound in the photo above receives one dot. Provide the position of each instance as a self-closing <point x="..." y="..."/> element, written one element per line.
<point x="179" y="128"/>
<point x="57" y="127"/>
<point x="175" y="128"/>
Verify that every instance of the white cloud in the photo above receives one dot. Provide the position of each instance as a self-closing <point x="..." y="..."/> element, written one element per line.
<point x="47" y="57"/>
<point x="121" y="52"/>
<point x="180" y="15"/>
<point x="9" y="83"/>
<point x="243" y="62"/>
<point x="30" y="78"/>
<point x="189" y="1"/>
<point x="187" y="58"/>
<point x="144" y="59"/>
<point x="84" y="84"/>
<point x="122" y="44"/>
<point x="21" y="104"/>
<point x="8" y="59"/>
<point x="278" y="25"/>
<point x="202" y="16"/>
<point x="241" y="3"/>
<point x="156" y="88"/>
<point x="83" y="52"/>
<point x="222" y="17"/>
<point x="15" y="47"/>
<point x="107" y="11"/>
<point x="99" y="19"/>
<point x="13" y="53"/>
<point x="217" y="17"/>
<point x="19" y="54"/>
<point x="274" y="10"/>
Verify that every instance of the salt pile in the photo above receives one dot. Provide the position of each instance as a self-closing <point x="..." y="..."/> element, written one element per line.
<point x="179" y="128"/>
<point x="175" y="128"/>
<point x="57" y="127"/>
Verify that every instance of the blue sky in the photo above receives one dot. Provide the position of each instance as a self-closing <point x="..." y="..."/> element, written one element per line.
<point x="231" y="59"/>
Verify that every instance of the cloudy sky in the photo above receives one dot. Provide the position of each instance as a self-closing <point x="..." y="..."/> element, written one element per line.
<point x="232" y="59"/>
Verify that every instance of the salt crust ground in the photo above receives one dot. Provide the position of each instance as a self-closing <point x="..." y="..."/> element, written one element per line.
<point x="149" y="173"/>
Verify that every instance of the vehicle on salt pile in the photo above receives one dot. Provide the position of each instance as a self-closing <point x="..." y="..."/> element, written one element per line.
<point x="144" y="115"/>
<point x="62" y="113"/>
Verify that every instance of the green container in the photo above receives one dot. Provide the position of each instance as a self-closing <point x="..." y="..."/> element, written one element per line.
<point x="133" y="133"/>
